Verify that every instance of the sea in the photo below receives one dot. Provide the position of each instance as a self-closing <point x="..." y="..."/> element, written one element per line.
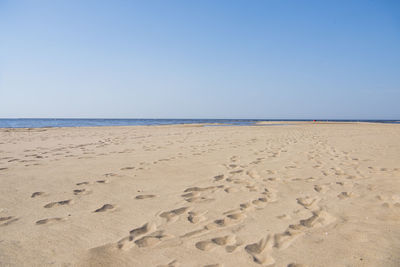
<point x="61" y="122"/>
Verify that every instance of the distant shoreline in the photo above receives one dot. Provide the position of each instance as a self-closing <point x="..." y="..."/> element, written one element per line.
<point x="63" y="122"/>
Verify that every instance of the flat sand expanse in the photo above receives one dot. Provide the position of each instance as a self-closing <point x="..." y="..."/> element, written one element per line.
<point x="303" y="194"/>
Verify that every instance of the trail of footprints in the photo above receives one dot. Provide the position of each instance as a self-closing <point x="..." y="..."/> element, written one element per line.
<point x="150" y="234"/>
<point x="77" y="192"/>
<point x="238" y="177"/>
<point x="80" y="191"/>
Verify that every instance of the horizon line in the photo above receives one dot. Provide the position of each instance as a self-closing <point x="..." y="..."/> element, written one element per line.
<point x="264" y="119"/>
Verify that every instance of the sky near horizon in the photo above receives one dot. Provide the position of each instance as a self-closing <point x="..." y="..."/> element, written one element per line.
<point x="200" y="59"/>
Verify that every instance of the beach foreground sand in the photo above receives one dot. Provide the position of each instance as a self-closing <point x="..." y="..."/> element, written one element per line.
<point x="303" y="194"/>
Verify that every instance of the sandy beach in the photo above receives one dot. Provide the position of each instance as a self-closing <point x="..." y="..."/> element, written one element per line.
<point x="299" y="194"/>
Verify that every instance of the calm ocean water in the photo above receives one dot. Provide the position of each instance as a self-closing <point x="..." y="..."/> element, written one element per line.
<point x="41" y="123"/>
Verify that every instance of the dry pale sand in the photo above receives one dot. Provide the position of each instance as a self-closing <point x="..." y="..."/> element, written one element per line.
<point x="302" y="194"/>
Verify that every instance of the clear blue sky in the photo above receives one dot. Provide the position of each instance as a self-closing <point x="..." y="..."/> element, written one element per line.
<point x="200" y="59"/>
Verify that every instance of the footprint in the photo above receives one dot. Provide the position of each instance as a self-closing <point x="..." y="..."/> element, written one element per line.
<point x="7" y="220"/>
<point x="199" y="199"/>
<point x="172" y="214"/>
<point x="173" y="263"/>
<point x="151" y="240"/>
<point x="284" y="217"/>
<point x="318" y="219"/>
<point x="223" y="222"/>
<point x="307" y="201"/>
<point x="256" y="250"/>
<point x="252" y="188"/>
<point x="285" y="239"/>
<point x="199" y="189"/>
<point x="260" y="201"/>
<point x="148" y="227"/>
<point x="196" y="217"/>
<point x="127" y="168"/>
<point x="83" y="183"/>
<point x="253" y="174"/>
<point x="232" y="248"/>
<point x="236" y="216"/>
<point x="58" y="203"/>
<point x="82" y="192"/>
<point x="36" y="194"/>
<point x="218" y="177"/>
<point x="238" y="181"/>
<point x="291" y="167"/>
<point x="126" y="243"/>
<point x="271" y="194"/>
<point x="321" y="188"/>
<point x="206" y="245"/>
<point x="191" y="194"/>
<point x="145" y="196"/>
<point x="246" y="206"/>
<point x="105" y="207"/>
<point x="231" y="190"/>
<point x="49" y="220"/>
<point x="234" y="158"/>
<point x="344" y="195"/>
<point x="224" y="240"/>
<point x="102" y="181"/>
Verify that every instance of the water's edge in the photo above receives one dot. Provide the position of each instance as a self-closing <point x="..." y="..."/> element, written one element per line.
<point x="46" y="123"/>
